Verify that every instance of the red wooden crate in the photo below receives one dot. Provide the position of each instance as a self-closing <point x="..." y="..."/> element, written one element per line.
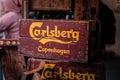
<point x="60" y="70"/>
<point x="57" y="39"/>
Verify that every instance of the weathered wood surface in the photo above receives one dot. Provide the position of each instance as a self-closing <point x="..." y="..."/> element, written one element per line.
<point x="45" y="5"/>
<point x="60" y="70"/>
<point x="59" y="39"/>
<point x="49" y="4"/>
<point x="67" y="40"/>
<point x="86" y="9"/>
<point x="82" y="9"/>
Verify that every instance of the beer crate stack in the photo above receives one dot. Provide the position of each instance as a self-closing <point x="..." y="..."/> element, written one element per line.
<point x="60" y="40"/>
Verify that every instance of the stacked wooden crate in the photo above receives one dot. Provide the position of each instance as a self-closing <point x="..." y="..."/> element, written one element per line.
<point x="62" y="49"/>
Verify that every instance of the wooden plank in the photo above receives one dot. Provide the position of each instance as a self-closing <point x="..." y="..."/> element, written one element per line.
<point x="55" y="39"/>
<point x="80" y="9"/>
<point x="86" y="9"/>
<point x="60" y="70"/>
<point x="50" y="4"/>
<point x="93" y="9"/>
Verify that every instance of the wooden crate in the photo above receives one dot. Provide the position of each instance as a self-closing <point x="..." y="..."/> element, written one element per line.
<point x="81" y="9"/>
<point x="60" y="70"/>
<point x="59" y="39"/>
<point x="45" y="5"/>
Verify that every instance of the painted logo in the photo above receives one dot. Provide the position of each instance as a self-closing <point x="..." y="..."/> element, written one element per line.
<point x="52" y="35"/>
<point x="49" y="72"/>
